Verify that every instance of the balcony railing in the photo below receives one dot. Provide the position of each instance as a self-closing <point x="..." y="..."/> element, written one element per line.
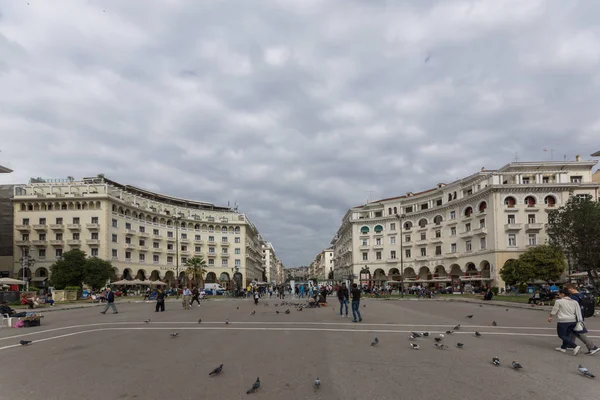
<point x="513" y="227"/>
<point x="74" y="242"/>
<point x="40" y="227"/>
<point x="57" y="226"/>
<point x="129" y="232"/>
<point x="39" y="242"/>
<point x="480" y="231"/>
<point x="23" y="227"/>
<point x="74" y="227"/>
<point x="23" y="242"/>
<point x="93" y="226"/>
<point x="534" y="226"/>
<point x="57" y="242"/>
<point x="93" y="241"/>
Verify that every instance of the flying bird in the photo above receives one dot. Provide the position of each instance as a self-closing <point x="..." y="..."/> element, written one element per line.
<point x="414" y="346"/>
<point x="175" y="334"/>
<point x="216" y="371"/>
<point x="516" y="365"/>
<point x="477" y="334"/>
<point x="459" y="345"/>
<point x="254" y="387"/>
<point x="585" y="371"/>
<point x="496" y="361"/>
<point x="375" y="342"/>
<point x="427" y="59"/>
<point x="317" y="383"/>
<point x="494" y="323"/>
<point x="470" y="316"/>
<point x="25" y="342"/>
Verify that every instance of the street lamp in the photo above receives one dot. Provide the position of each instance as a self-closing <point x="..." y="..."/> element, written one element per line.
<point x="26" y="262"/>
<point x="177" y="218"/>
<point x="400" y="218"/>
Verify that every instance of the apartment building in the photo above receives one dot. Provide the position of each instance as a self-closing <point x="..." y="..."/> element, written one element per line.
<point x="145" y="235"/>
<point x="460" y="232"/>
<point x="322" y="265"/>
<point x="270" y="263"/>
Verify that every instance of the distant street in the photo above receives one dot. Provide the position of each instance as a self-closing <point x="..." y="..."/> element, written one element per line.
<point x="82" y="354"/>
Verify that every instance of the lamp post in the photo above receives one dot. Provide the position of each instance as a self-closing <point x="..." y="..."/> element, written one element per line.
<point x="26" y="262"/>
<point x="177" y="219"/>
<point x="400" y="218"/>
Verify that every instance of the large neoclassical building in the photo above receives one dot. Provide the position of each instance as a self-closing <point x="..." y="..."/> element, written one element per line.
<point x="145" y="235"/>
<point x="460" y="232"/>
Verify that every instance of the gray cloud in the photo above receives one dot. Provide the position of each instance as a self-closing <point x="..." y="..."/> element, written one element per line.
<point x="294" y="110"/>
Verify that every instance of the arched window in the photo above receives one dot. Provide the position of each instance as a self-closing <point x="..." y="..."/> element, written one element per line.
<point x="395" y="210"/>
<point x="378" y="229"/>
<point x="169" y="222"/>
<point x="390" y="211"/>
<point x="530" y="201"/>
<point x="114" y="208"/>
<point x="237" y="229"/>
<point x="408" y="225"/>
<point x="211" y="228"/>
<point x="468" y="211"/>
<point x="364" y="229"/>
<point x="482" y="206"/>
<point x="23" y="207"/>
<point x="197" y="227"/>
<point x="422" y="222"/>
<point x="438" y="219"/>
<point x="550" y="201"/>
<point x="510" y="201"/>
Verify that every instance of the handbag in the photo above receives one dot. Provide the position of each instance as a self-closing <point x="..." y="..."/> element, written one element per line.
<point x="579" y="326"/>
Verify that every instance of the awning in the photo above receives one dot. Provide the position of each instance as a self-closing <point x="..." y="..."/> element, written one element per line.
<point x="10" y="281"/>
<point x="476" y="278"/>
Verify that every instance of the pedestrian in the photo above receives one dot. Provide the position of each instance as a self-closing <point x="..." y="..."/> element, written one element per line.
<point x="187" y="296"/>
<point x="256" y="297"/>
<point x="342" y="295"/>
<point x="567" y="313"/>
<point x="195" y="296"/>
<point x="110" y="301"/>
<point x="355" y="303"/>
<point x="160" y="300"/>
<point x="582" y="335"/>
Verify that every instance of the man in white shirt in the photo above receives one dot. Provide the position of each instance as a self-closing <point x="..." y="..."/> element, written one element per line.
<point x="187" y="296"/>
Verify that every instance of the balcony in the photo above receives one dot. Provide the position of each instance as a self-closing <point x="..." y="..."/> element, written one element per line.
<point x="144" y="234"/>
<point x="225" y="255"/>
<point x="437" y="240"/>
<point x="25" y="228"/>
<point x="182" y="240"/>
<point x="144" y="248"/>
<point x="421" y="258"/>
<point x="226" y="244"/>
<point x="93" y="242"/>
<point x="480" y="231"/>
<point x="378" y="247"/>
<point x="422" y="242"/>
<point x="57" y="242"/>
<point x="466" y="234"/>
<point x="23" y="242"/>
<point x="452" y="255"/>
<point x="92" y="227"/>
<point x="212" y="242"/>
<point x="157" y="250"/>
<point x="40" y="227"/>
<point x="534" y="226"/>
<point x="407" y="244"/>
<point x="392" y="260"/>
<point x="199" y="241"/>
<point x="57" y="227"/>
<point x="170" y="239"/>
<point x="74" y="227"/>
<point x="364" y="247"/>
<point x="157" y="236"/>
<point x="129" y="232"/>
<point x="513" y="227"/>
<point x="129" y="246"/>
<point x="212" y="254"/>
<point x="171" y="251"/>
<point x="198" y="253"/>
<point x="74" y="242"/>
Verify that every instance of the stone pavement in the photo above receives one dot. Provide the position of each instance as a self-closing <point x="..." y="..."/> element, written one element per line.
<point x="121" y="357"/>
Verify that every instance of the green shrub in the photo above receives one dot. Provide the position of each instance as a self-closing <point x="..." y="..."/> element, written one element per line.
<point x="73" y="288"/>
<point x="495" y="290"/>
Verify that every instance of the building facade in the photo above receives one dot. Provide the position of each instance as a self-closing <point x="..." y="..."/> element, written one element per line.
<point x="463" y="232"/>
<point x="322" y="265"/>
<point x="270" y="263"/>
<point x="145" y="235"/>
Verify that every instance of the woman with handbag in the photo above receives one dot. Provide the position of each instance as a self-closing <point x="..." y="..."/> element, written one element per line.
<point x="568" y="318"/>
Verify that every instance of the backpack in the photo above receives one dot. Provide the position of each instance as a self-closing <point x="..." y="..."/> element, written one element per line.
<point x="587" y="306"/>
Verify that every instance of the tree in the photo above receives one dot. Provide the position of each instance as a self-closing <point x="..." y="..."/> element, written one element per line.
<point x="575" y="228"/>
<point x="97" y="272"/>
<point x="196" y="268"/>
<point x="514" y="273"/>
<point x="69" y="270"/>
<point x="546" y="263"/>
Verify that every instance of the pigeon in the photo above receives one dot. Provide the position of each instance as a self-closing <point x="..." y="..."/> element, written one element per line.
<point x="516" y="365"/>
<point x="375" y="342"/>
<point x="25" y="342"/>
<point x="412" y="337"/>
<point x="287" y="311"/>
<point x="456" y="328"/>
<point x="277" y="311"/>
<point x="254" y="387"/>
<point x="449" y="332"/>
<point x="317" y="383"/>
<point x="300" y="309"/>
<point x="470" y="316"/>
<point x="496" y="361"/>
<point x="480" y="305"/>
<point x="437" y="339"/>
<point x="216" y="371"/>
<point x="253" y="312"/>
<point x="494" y="323"/>
<point x="175" y="334"/>
<point x="459" y="345"/>
<point x="414" y="346"/>
<point x="585" y="371"/>
<point x="199" y="320"/>
<point x="226" y="322"/>
<point x="441" y="336"/>
<point x="417" y="334"/>
<point x="507" y="309"/>
<point x="147" y="321"/>
<point x="477" y="334"/>
<point x="425" y="334"/>
<point x="441" y="346"/>
<point x="237" y="308"/>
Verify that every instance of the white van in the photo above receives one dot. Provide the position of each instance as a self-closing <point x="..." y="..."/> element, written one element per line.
<point x="214" y="288"/>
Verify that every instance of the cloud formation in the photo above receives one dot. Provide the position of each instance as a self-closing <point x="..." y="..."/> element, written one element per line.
<point x="295" y="110"/>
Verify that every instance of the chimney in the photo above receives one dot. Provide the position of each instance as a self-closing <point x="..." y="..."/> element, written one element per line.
<point x="578" y="157"/>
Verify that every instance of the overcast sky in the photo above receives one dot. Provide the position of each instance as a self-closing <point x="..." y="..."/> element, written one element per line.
<point x="295" y="110"/>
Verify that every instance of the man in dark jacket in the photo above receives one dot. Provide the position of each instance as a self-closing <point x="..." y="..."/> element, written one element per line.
<point x="342" y="294"/>
<point x="578" y="297"/>
<point x="110" y="302"/>
<point x="160" y="300"/>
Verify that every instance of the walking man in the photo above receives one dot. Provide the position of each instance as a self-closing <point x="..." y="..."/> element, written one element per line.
<point x="578" y="297"/>
<point x="355" y="303"/>
<point x="187" y="296"/>
<point x="160" y="300"/>
<point x="342" y="295"/>
<point x="256" y="297"/>
<point x="195" y="296"/>
<point x="110" y="302"/>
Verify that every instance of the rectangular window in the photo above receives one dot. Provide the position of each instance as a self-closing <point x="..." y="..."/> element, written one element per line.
<point x="25" y="236"/>
<point x="407" y="253"/>
<point x="94" y="220"/>
<point x="409" y="209"/>
<point x="142" y="257"/>
<point x="142" y="242"/>
<point x="42" y="221"/>
<point x="142" y="229"/>
<point x="211" y="250"/>
<point x="156" y="258"/>
<point x="42" y="253"/>
<point x="378" y="255"/>
<point x="511" y="219"/>
<point x="197" y="237"/>
<point x="545" y="179"/>
<point x="453" y="248"/>
<point x="128" y="255"/>
<point x="76" y="220"/>
<point x="59" y="221"/>
<point x="453" y="231"/>
<point x="155" y="245"/>
<point x="170" y="234"/>
<point x="407" y="238"/>
<point x="452" y="214"/>
<point x="42" y="236"/>
<point x="423" y="235"/>
<point x="576" y="179"/>
<point x="211" y="238"/>
<point x="423" y="251"/>
<point x="128" y="240"/>
<point x="211" y="261"/>
<point x="115" y="223"/>
<point x="59" y="236"/>
<point x="365" y="242"/>
<point x="155" y="232"/>
<point x="482" y="244"/>
<point x="438" y="234"/>
<point x="468" y="246"/>
<point x="223" y="263"/>
<point x="127" y="225"/>
<point x="393" y="240"/>
<point x="482" y="223"/>
<point x="424" y="206"/>
<point x="58" y="252"/>
<point x="512" y="240"/>
<point x="183" y="260"/>
<point x="393" y="254"/>
<point x="378" y="242"/>
<point x="198" y="249"/>
<point x="75" y="235"/>
<point x="468" y="227"/>
<point x="25" y="221"/>
<point x="169" y="246"/>
<point x="115" y="253"/>
<point x="438" y="250"/>
<point x="237" y="240"/>
<point x="532" y="239"/>
<point x="183" y="248"/>
<point x="224" y="239"/>
<point x="238" y="263"/>
<point x="438" y="202"/>
<point x="114" y="238"/>
<point x="393" y="226"/>
<point x="94" y="251"/>
<point x="525" y="180"/>
<point x="365" y="256"/>
<point x="170" y="259"/>
<point x="184" y="235"/>
<point x="531" y="218"/>
<point x="94" y="235"/>
<point x="238" y="251"/>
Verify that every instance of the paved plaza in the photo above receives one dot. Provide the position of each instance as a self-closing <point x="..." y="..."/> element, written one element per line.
<point x="82" y="354"/>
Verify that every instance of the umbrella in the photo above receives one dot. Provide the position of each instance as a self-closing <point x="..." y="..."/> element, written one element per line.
<point x="121" y="282"/>
<point x="11" y="281"/>
<point x="157" y="283"/>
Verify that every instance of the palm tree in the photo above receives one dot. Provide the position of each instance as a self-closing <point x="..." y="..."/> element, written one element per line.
<point x="196" y="268"/>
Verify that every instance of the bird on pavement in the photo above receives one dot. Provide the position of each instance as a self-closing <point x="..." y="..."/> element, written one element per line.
<point x="175" y="334"/>
<point x="470" y="316"/>
<point x="199" y="320"/>
<point x="516" y="365"/>
<point x="237" y="308"/>
<point x="227" y="322"/>
<point x="412" y="337"/>
<point x="449" y="332"/>
<point x="147" y="321"/>
<point x="585" y="371"/>
<point x="441" y="346"/>
<point x="364" y="305"/>
<point x="456" y="328"/>
<point x="317" y="383"/>
<point x="417" y="334"/>
<point x="25" y="342"/>
<point x="477" y="334"/>
<point x="414" y="346"/>
<point x="496" y="361"/>
<point x="216" y="371"/>
<point x="507" y="309"/>
<point x="375" y="342"/>
<point x="425" y="334"/>
<point x="254" y="387"/>
<point x="494" y="323"/>
<point x="287" y="311"/>
<point x="459" y="345"/>
<point x="277" y="311"/>
<point x="441" y="336"/>
<point x="437" y="339"/>
<point x="253" y="312"/>
<point x="480" y="305"/>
